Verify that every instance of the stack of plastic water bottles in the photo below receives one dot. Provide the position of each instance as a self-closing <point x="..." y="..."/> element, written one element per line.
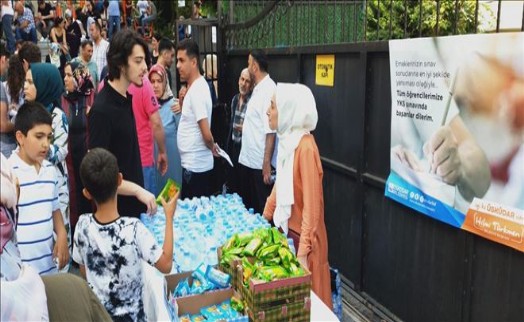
<point x="201" y="225"/>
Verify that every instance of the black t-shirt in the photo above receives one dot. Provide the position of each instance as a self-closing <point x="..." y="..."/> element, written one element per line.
<point x="168" y="72"/>
<point x="154" y="59"/>
<point x="112" y="126"/>
<point x="46" y="11"/>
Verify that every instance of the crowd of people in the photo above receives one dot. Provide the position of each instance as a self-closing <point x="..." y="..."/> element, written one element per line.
<point x="92" y="139"/>
<point x="69" y="29"/>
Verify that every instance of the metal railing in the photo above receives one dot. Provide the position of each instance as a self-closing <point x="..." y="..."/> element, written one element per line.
<point x="290" y="23"/>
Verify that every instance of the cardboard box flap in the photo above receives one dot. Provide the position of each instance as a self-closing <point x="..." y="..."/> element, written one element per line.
<point x="193" y="304"/>
<point x="174" y="279"/>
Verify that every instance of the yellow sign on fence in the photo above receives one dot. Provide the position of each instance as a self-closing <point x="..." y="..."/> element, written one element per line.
<point x="325" y="70"/>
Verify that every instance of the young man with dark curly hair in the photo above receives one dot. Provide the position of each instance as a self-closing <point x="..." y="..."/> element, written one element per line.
<point x="111" y="123"/>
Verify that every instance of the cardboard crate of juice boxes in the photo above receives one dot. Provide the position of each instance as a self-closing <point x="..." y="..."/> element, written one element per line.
<point x="203" y="295"/>
<point x="266" y="273"/>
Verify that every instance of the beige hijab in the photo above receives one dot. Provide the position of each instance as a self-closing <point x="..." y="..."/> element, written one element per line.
<point x="297" y="116"/>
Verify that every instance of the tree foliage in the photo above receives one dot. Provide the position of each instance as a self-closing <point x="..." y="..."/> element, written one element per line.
<point x="410" y="19"/>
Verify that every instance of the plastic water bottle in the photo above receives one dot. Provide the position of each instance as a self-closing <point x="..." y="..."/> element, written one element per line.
<point x="185" y="262"/>
<point x="202" y="225"/>
<point x="291" y="245"/>
<point x="212" y="257"/>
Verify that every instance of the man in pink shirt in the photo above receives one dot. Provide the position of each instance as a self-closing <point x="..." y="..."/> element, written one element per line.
<point x="148" y="124"/>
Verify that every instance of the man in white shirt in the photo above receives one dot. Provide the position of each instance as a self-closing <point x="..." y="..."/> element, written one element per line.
<point x="195" y="141"/>
<point x="100" y="47"/>
<point x="258" y="140"/>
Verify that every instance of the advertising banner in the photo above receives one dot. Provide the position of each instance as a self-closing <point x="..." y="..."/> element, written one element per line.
<point x="457" y="132"/>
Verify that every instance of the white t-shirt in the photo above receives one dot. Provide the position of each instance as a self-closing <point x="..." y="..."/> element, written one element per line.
<point x="142" y="6"/>
<point x="38" y="199"/>
<point x="112" y="254"/>
<point x="194" y="154"/>
<point x="24" y="299"/>
<point x="256" y="125"/>
<point x="7" y="10"/>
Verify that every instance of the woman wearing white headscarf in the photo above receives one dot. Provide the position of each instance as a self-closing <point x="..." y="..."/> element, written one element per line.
<point x="21" y="285"/>
<point x="296" y="204"/>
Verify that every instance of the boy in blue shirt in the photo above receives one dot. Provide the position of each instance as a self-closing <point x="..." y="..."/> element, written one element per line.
<point x="110" y="248"/>
<point x="39" y="211"/>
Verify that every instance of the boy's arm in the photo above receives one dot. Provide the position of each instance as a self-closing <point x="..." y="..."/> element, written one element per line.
<point x="165" y="261"/>
<point x="128" y="188"/>
<point x="60" y="250"/>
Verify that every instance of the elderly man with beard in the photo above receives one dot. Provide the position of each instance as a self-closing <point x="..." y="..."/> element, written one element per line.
<point x="234" y="139"/>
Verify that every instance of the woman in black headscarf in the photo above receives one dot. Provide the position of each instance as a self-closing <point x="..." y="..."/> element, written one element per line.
<point x="76" y="102"/>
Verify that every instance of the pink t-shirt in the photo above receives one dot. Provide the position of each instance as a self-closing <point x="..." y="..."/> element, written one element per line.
<point x="144" y="105"/>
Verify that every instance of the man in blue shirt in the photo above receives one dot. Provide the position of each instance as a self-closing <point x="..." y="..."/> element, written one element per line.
<point x="113" y="12"/>
<point x="26" y="29"/>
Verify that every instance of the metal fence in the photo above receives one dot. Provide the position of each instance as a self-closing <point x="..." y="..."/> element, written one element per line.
<point x="289" y="23"/>
<point x="402" y="265"/>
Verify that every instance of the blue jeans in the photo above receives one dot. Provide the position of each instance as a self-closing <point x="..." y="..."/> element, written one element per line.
<point x="114" y="26"/>
<point x="7" y="23"/>
<point x="31" y="36"/>
<point x="150" y="179"/>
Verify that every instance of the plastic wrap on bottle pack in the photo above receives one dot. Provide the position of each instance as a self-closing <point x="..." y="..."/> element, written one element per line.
<point x="196" y="241"/>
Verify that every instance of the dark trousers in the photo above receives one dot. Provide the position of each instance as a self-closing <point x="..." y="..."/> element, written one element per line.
<point x="196" y="184"/>
<point x="254" y="190"/>
<point x="31" y="36"/>
<point x="233" y="173"/>
<point x="7" y="24"/>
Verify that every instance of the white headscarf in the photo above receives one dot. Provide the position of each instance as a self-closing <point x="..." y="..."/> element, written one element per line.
<point x="297" y="116"/>
<point x="8" y="184"/>
<point x="20" y="283"/>
<point x="10" y="261"/>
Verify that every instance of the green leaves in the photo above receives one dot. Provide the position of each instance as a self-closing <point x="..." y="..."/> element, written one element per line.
<point x="410" y="19"/>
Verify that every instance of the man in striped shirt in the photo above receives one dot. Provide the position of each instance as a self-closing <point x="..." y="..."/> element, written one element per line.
<point x="26" y="29"/>
<point x="100" y="48"/>
<point x="39" y="211"/>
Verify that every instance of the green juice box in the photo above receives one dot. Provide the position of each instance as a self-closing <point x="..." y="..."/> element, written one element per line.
<point x="168" y="192"/>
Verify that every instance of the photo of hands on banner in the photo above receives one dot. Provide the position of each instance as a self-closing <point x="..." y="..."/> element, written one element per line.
<point x="457" y="129"/>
